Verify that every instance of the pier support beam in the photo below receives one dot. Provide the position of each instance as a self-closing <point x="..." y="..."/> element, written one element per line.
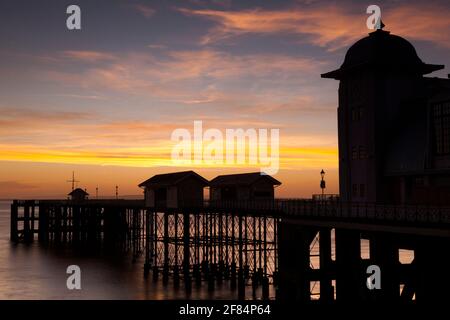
<point x="385" y="254"/>
<point x="294" y="261"/>
<point x="148" y="246"/>
<point x="433" y="264"/>
<point x="14" y="236"/>
<point x="186" y="246"/>
<point x="349" y="277"/>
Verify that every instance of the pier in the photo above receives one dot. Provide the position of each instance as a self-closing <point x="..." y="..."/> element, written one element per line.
<point x="264" y="245"/>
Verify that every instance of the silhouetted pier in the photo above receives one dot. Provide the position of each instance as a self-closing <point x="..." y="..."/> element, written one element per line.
<point x="263" y="244"/>
<point x="89" y="224"/>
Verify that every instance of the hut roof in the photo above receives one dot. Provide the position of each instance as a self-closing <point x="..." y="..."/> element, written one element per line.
<point x="170" y="179"/>
<point x="78" y="191"/>
<point x="242" y="179"/>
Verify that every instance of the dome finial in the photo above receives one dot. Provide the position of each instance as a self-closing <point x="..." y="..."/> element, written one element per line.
<point x="379" y="25"/>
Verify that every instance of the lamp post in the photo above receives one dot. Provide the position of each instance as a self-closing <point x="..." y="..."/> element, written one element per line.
<point x="322" y="183"/>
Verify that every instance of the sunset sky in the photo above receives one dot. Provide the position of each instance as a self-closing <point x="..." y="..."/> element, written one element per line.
<point x="103" y="101"/>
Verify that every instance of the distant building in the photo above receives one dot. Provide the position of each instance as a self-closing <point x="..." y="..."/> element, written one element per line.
<point x="393" y="123"/>
<point x="174" y="190"/>
<point x="245" y="186"/>
<point x="78" y="194"/>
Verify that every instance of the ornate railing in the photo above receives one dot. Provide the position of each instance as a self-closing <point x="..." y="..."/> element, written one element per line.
<point x="304" y="208"/>
<point x="335" y="209"/>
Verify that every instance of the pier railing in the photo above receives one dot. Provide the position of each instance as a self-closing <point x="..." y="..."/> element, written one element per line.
<point x="334" y="209"/>
<point x="212" y="241"/>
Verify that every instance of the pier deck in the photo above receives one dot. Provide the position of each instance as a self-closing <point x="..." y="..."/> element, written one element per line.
<point x="262" y="244"/>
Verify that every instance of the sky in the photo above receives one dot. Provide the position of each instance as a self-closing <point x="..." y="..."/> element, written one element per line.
<point x="103" y="101"/>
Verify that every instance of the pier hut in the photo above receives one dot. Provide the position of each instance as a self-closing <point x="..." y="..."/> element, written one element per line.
<point x="174" y="190"/>
<point x="244" y="186"/>
<point x="78" y="194"/>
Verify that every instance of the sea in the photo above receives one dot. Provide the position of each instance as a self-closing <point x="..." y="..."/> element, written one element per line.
<point x="35" y="272"/>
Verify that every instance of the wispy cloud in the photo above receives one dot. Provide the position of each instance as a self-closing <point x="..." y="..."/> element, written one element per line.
<point x="145" y="10"/>
<point x="327" y="26"/>
<point x="425" y="22"/>
<point x="25" y="116"/>
<point x="321" y="28"/>
<point x="62" y="138"/>
<point x="290" y="157"/>
<point x="157" y="46"/>
<point x="187" y="76"/>
<point x="88" y="56"/>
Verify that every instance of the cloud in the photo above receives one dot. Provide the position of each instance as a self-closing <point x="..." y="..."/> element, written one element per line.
<point x="80" y="96"/>
<point x="144" y="10"/>
<point x="421" y="22"/>
<point x="190" y="77"/>
<point x="327" y="26"/>
<point x="88" y="56"/>
<point x="320" y="27"/>
<point x="79" y="138"/>
<point x="297" y="106"/>
<point x="157" y="46"/>
<point x="218" y="64"/>
<point x="290" y="158"/>
<point x="10" y="117"/>
<point x="207" y="3"/>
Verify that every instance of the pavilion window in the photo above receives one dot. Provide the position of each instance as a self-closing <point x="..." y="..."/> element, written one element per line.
<point x="354" y="153"/>
<point x="441" y="120"/>
<point x="355" y="190"/>
<point x="362" y="190"/>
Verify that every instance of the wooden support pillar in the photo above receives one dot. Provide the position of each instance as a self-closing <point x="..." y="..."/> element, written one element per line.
<point x="65" y="230"/>
<point x="27" y="236"/>
<point x="166" y="248"/>
<point x="32" y="218"/>
<point x="432" y="267"/>
<point x="41" y="223"/>
<point x="58" y="224"/>
<point x="14" y="236"/>
<point x="385" y="254"/>
<point x="135" y="232"/>
<point x="76" y="225"/>
<point x="186" y="245"/>
<point x="294" y="262"/>
<point x="241" y="280"/>
<point x="349" y="276"/>
<point x="148" y="245"/>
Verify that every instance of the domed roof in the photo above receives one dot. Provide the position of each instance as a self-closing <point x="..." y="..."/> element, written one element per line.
<point x="382" y="49"/>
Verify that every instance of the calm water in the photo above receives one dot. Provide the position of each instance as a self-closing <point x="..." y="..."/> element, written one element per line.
<point x="33" y="272"/>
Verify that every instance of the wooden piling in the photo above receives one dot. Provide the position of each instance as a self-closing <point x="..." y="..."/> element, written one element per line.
<point x="14" y="236"/>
